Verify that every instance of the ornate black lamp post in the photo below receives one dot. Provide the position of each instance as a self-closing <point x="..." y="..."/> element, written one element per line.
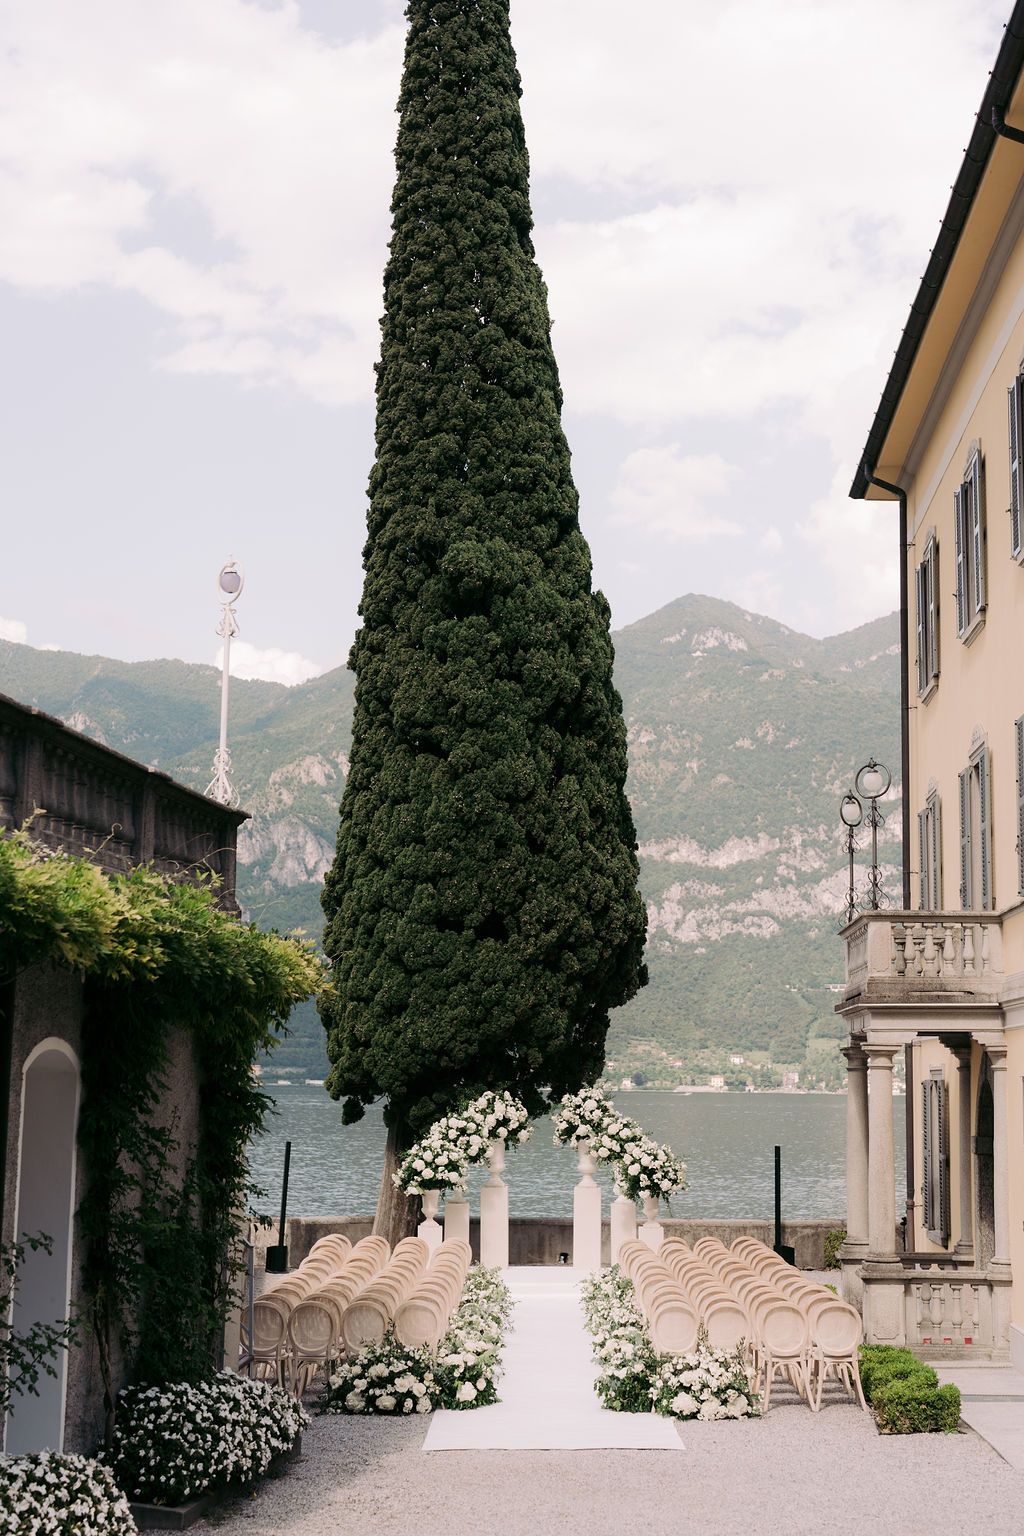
<point x="871" y="784"/>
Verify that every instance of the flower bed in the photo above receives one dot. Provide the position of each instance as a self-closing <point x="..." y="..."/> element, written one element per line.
<point x="47" y="1494"/>
<point x="388" y="1378"/>
<point x="632" y="1378"/>
<point x="173" y="1443"/>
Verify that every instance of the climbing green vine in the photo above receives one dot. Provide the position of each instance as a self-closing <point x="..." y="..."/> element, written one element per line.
<point x="161" y="961"/>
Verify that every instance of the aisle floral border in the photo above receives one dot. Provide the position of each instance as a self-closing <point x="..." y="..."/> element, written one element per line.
<point x="633" y="1378"/>
<point x="391" y="1379"/>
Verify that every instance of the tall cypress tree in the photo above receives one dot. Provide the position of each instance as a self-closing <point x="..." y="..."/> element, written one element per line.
<point x="483" y="913"/>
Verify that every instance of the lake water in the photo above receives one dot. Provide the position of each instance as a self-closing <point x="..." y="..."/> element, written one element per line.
<point x="726" y="1140"/>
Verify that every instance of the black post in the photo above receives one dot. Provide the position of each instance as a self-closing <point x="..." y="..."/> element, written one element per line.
<point x="784" y="1252"/>
<point x="277" y="1256"/>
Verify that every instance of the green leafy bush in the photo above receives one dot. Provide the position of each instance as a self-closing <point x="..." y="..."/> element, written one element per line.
<point x="905" y="1393"/>
<point x="834" y="1240"/>
<point x="913" y="1407"/>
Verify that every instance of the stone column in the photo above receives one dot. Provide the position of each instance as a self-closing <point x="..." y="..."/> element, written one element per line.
<point x="855" y="1248"/>
<point x="623" y="1222"/>
<point x="494" y="1212"/>
<point x="1000" y="1158"/>
<point x="965" y="1242"/>
<point x="456" y="1216"/>
<point x="881" y="1157"/>
<point x="586" y="1214"/>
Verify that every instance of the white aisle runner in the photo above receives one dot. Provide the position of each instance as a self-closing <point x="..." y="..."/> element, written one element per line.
<point x="548" y="1401"/>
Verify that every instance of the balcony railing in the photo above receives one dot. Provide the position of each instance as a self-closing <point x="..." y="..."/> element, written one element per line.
<point x="935" y="951"/>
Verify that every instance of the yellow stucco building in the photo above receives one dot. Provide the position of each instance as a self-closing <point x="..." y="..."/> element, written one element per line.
<point x="941" y="981"/>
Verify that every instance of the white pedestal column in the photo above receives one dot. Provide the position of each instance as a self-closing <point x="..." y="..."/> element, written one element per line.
<point x="652" y="1232"/>
<point x="430" y="1228"/>
<point x="881" y="1157"/>
<point x="856" y="1146"/>
<point x="456" y="1216"/>
<point x="965" y="1241"/>
<point x="494" y="1212"/>
<point x="623" y="1222"/>
<point x="586" y="1214"/>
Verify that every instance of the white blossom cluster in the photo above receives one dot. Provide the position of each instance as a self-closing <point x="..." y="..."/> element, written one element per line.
<point x="47" y="1494"/>
<point x="642" y="1166"/>
<point x="439" y="1160"/>
<point x="173" y="1443"/>
<point x="706" y="1384"/>
<point x="388" y="1378"/>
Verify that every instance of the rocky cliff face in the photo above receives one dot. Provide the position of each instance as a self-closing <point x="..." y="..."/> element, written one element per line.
<point x="743" y="736"/>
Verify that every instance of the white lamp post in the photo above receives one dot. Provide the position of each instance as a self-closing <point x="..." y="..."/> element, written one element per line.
<point x="230" y="582"/>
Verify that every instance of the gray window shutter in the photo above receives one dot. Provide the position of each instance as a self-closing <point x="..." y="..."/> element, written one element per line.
<point x="942" y="1153"/>
<point x="932" y="626"/>
<point x="1013" y="401"/>
<point x="926" y="1145"/>
<point x="965" y="839"/>
<point x="985" y="816"/>
<point x="978" y="531"/>
<point x="922" y="633"/>
<point x="936" y="854"/>
<point x="961" y="558"/>
<point x="922" y="843"/>
<point x="1018" y="731"/>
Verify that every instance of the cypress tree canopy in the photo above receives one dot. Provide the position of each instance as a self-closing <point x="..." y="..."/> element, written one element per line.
<point x="483" y="913"/>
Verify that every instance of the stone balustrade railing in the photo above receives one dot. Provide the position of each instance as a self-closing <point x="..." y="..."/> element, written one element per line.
<point x="943" y="951"/>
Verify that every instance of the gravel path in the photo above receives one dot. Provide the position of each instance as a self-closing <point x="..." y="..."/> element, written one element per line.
<point x="789" y="1473"/>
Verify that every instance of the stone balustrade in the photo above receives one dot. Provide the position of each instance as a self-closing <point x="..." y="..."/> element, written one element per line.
<point x="888" y="951"/>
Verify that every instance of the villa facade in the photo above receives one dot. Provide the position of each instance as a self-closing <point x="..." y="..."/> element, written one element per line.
<point x="940" y="982"/>
<point x="83" y="799"/>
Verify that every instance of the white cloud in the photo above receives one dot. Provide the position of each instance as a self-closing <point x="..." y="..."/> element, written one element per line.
<point x="771" y="540"/>
<point x="858" y="545"/>
<point x="15" y="630"/>
<point x="270" y="664"/>
<point x="667" y="491"/>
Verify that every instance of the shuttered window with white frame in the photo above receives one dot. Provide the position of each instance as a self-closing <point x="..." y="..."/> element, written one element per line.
<point x="970" y="544"/>
<point x="935" y="1145"/>
<point x="1015" y="407"/>
<point x="927" y="598"/>
<point x="929" y="829"/>
<point x="977" y="878"/>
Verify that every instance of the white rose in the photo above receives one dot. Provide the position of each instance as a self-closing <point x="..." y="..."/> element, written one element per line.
<point x="466" y="1392"/>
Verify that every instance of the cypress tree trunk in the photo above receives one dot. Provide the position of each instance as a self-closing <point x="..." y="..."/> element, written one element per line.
<point x="396" y="1215"/>
<point x="482" y="911"/>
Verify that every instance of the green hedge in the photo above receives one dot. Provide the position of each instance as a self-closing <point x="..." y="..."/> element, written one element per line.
<point x="905" y="1393"/>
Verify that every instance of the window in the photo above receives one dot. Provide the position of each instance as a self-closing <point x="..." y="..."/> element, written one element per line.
<point x="1018" y="731"/>
<point x="929" y="827"/>
<point x="935" y="1141"/>
<point x="927" y="575"/>
<point x="969" y="530"/>
<point x="976" y="833"/>
<point x="1015" y="403"/>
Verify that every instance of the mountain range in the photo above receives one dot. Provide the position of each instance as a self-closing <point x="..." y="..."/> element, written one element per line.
<point x="743" y="736"/>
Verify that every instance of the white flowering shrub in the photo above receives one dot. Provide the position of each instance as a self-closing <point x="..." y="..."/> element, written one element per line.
<point x="632" y="1378"/>
<point x="582" y="1116"/>
<point x="174" y="1443"/>
<point x="388" y="1378"/>
<point x="647" y="1169"/>
<point x="704" y="1385"/>
<point x="47" y="1494"/>
<point x="495" y="1117"/>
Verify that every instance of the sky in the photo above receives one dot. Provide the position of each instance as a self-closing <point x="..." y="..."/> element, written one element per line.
<point x="734" y="202"/>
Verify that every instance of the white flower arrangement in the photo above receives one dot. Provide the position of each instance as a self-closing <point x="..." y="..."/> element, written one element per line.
<point x="50" y="1492"/>
<point x="388" y="1378"/>
<point x="632" y="1378"/>
<point x="439" y="1160"/>
<point x="642" y="1166"/>
<point x="175" y="1442"/>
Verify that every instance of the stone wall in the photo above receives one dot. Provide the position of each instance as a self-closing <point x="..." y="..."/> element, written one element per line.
<point x="540" y="1240"/>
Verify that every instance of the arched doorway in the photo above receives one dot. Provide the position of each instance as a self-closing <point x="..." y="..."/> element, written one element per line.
<point x="985" y="1243"/>
<point x="45" y="1203"/>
